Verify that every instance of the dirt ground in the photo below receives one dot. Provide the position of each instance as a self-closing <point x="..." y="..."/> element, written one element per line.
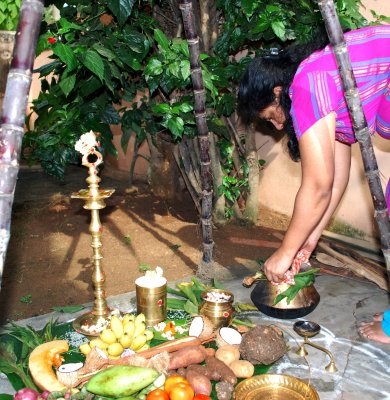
<point x="48" y="260"/>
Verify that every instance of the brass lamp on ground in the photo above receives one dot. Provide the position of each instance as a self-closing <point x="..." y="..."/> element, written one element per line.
<point x="308" y="329"/>
<point x="94" y="201"/>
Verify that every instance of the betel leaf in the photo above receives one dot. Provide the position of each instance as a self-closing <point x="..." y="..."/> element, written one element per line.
<point x="302" y="280"/>
<point x="161" y="39"/>
<point x="68" y="309"/>
<point x="121" y="9"/>
<point x="191" y="308"/>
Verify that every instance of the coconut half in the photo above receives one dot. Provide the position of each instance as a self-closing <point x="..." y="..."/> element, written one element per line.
<point x="201" y="327"/>
<point x="226" y="335"/>
<point x="67" y="374"/>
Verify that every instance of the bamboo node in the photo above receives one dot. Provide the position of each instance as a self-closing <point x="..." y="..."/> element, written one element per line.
<point x="193" y="41"/>
<point x="196" y="69"/>
<point x="206" y="221"/>
<point x="5" y="128"/>
<point x="201" y="115"/>
<point x="185" y="6"/>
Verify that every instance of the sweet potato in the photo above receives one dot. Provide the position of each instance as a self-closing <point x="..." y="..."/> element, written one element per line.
<point x="184" y="357"/>
<point x="199" y="382"/>
<point x="200" y="369"/>
<point x="208" y="351"/>
<point x="219" y="371"/>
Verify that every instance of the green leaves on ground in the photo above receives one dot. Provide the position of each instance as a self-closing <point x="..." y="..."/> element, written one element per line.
<point x="302" y="280"/>
<point x="68" y="309"/>
<point x="16" y="344"/>
<point x="187" y="295"/>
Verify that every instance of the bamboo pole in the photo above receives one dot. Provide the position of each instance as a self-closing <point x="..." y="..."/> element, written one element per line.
<point x="359" y="122"/>
<point x="14" y="112"/>
<point x="206" y="268"/>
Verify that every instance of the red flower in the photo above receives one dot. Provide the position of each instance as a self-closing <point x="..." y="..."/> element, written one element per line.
<point x="160" y="302"/>
<point x="225" y="314"/>
<point x="51" y="40"/>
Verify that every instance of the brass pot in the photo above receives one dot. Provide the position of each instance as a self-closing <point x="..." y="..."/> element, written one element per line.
<point x="152" y="302"/>
<point x="264" y="294"/>
<point x="219" y="313"/>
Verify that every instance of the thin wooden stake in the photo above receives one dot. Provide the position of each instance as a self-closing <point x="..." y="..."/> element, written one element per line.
<point x="14" y="113"/>
<point x="359" y="123"/>
<point x="206" y="269"/>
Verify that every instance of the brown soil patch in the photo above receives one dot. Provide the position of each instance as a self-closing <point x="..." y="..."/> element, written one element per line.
<point x="48" y="260"/>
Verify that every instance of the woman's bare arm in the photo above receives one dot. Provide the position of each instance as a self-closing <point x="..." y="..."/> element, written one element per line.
<point x="317" y="148"/>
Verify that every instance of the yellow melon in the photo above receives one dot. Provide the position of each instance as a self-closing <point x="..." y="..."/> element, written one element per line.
<point x="41" y="363"/>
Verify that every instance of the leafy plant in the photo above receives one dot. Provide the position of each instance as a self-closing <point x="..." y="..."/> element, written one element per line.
<point x="14" y="354"/>
<point x="9" y="14"/>
<point x="26" y="299"/>
<point x="187" y="295"/>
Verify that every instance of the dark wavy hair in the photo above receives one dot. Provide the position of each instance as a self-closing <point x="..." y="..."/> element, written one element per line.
<point x="263" y="74"/>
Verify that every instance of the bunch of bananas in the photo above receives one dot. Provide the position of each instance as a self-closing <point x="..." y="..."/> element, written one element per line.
<point x="128" y="332"/>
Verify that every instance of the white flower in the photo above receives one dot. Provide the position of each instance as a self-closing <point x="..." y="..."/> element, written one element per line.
<point x="86" y="143"/>
<point x="52" y="14"/>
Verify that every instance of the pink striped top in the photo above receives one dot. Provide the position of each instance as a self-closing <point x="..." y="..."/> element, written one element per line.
<point x="317" y="89"/>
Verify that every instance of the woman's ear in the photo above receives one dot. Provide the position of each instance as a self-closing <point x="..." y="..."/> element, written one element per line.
<point x="277" y="92"/>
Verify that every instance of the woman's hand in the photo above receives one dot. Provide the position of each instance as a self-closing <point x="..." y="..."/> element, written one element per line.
<point x="277" y="265"/>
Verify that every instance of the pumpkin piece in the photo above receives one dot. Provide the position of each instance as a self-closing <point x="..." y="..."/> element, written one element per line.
<point x="41" y="361"/>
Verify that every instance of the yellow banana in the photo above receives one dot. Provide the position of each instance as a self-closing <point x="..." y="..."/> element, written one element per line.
<point x="129" y="329"/>
<point x="127" y="317"/>
<point x="138" y="342"/>
<point x="116" y="326"/>
<point x="146" y="346"/>
<point x="115" y="349"/>
<point x="125" y="340"/>
<point x="139" y="318"/>
<point x="139" y="329"/>
<point x="85" y="348"/>
<point x="99" y="343"/>
<point x="108" y="336"/>
<point x="149" y="334"/>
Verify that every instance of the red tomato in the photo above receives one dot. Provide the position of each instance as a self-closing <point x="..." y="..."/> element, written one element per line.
<point x="201" y="396"/>
<point x="172" y="380"/>
<point x="157" y="394"/>
<point x="181" y="391"/>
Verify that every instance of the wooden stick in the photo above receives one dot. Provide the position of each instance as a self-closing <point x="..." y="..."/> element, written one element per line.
<point x="356" y="267"/>
<point x="14" y="112"/>
<point x="205" y="268"/>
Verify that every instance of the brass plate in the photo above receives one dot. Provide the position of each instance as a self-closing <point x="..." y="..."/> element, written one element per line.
<point x="88" y="319"/>
<point x="275" y="387"/>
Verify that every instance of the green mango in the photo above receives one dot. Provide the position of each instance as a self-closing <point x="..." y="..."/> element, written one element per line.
<point x="121" y="380"/>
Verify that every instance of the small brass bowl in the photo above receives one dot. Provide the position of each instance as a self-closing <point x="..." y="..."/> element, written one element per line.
<point x="275" y="387"/>
<point x="306" y="328"/>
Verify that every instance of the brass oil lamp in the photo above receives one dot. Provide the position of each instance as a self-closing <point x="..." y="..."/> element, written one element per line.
<point x="94" y="201"/>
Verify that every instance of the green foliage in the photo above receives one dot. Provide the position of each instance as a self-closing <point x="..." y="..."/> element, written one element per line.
<point x="302" y="280"/>
<point x="92" y="71"/>
<point x="9" y="14"/>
